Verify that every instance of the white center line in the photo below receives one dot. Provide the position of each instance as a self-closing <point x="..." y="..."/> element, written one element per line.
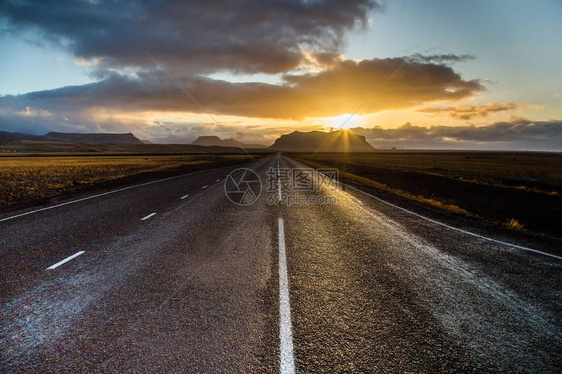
<point x="287" y="364"/>
<point x="218" y="179"/>
<point x="205" y="186"/>
<point x="184" y="197"/>
<point x="65" y="260"/>
<point x="278" y="182"/>
<point x="147" y="217"/>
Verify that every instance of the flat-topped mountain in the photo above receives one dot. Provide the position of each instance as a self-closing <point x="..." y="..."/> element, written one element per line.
<point x="216" y="141"/>
<point x="73" y="138"/>
<point x="92" y="138"/>
<point x="336" y="141"/>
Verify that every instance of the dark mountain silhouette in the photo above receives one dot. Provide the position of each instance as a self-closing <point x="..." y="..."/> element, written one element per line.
<point x="216" y="141"/>
<point x="337" y="141"/>
<point x="11" y="136"/>
<point x="92" y="138"/>
<point x="72" y="138"/>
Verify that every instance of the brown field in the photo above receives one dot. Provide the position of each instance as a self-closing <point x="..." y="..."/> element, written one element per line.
<point x="517" y="190"/>
<point x="38" y="178"/>
<point x="520" y="191"/>
<point x="50" y="147"/>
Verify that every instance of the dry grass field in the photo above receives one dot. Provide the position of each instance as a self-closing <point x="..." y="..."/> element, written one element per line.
<point x="518" y="190"/>
<point x="33" y="178"/>
<point x="517" y="170"/>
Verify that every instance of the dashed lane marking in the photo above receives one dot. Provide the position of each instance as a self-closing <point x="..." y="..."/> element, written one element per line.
<point x="103" y="194"/>
<point x="65" y="260"/>
<point x="147" y="217"/>
<point x="287" y="360"/>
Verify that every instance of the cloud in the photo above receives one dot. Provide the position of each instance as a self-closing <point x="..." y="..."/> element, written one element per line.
<point x="334" y="91"/>
<point x="441" y="59"/>
<point x="174" y="132"/>
<point x="466" y="112"/>
<point x="197" y="36"/>
<point x="300" y="41"/>
<point x="31" y="112"/>
<point x="347" y="84"/>
<point x="519" y="133"/>
<point x="490" y="81"/>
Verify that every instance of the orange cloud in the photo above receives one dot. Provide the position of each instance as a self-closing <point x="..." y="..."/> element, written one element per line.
<point x="342" y="88"/>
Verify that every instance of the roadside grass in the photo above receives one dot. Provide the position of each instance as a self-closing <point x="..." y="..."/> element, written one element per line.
<point x="31" y="178"/>
<point x="516" y="190"/>
<point x="396" y="191"/>
<point x="514" y="224"/>
<point x="526" y="171"/>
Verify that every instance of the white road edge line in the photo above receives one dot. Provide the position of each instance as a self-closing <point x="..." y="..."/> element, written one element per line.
<point x="147" y="217"/>
<point x="65" y="260"/>
<point x="287" y="359"/>
<point x="184" y="197"/>
<point x="454" y="228"/>
<point x="104" y="194"/>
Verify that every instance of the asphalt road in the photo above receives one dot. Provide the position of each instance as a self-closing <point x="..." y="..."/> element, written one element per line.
<point x="173" y="276"/>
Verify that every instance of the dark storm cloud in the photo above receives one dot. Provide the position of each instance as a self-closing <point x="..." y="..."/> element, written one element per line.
<point x="269" y="36"/>
<point x="515" y="134"/>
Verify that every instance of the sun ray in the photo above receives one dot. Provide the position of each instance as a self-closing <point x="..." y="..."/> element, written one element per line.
<point x="343" y="122"/>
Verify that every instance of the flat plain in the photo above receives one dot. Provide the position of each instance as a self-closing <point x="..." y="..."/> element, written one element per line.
<point x="517" y="190"/>
<point x="521" y="191"/>
<point x="28" y="180"/>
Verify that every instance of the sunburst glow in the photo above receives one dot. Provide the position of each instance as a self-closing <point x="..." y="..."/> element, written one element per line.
<point x="345" y="121"/>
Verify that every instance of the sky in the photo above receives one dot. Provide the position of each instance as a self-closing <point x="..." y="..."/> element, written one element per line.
<point x="436" y="74"/>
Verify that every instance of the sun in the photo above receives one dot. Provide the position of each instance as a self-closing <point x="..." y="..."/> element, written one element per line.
<point x="344" y="121"/>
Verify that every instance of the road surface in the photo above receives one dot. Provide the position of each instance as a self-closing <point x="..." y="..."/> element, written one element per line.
<point x="172" y="276"/>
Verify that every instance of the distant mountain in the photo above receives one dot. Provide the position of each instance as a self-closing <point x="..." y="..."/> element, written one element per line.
<point x="92" y="138"/>
<point x="73" y="138"/>
<point x="218" y="142"/>
<point x="337" y="141"/>
<point x="10" y="136"/>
